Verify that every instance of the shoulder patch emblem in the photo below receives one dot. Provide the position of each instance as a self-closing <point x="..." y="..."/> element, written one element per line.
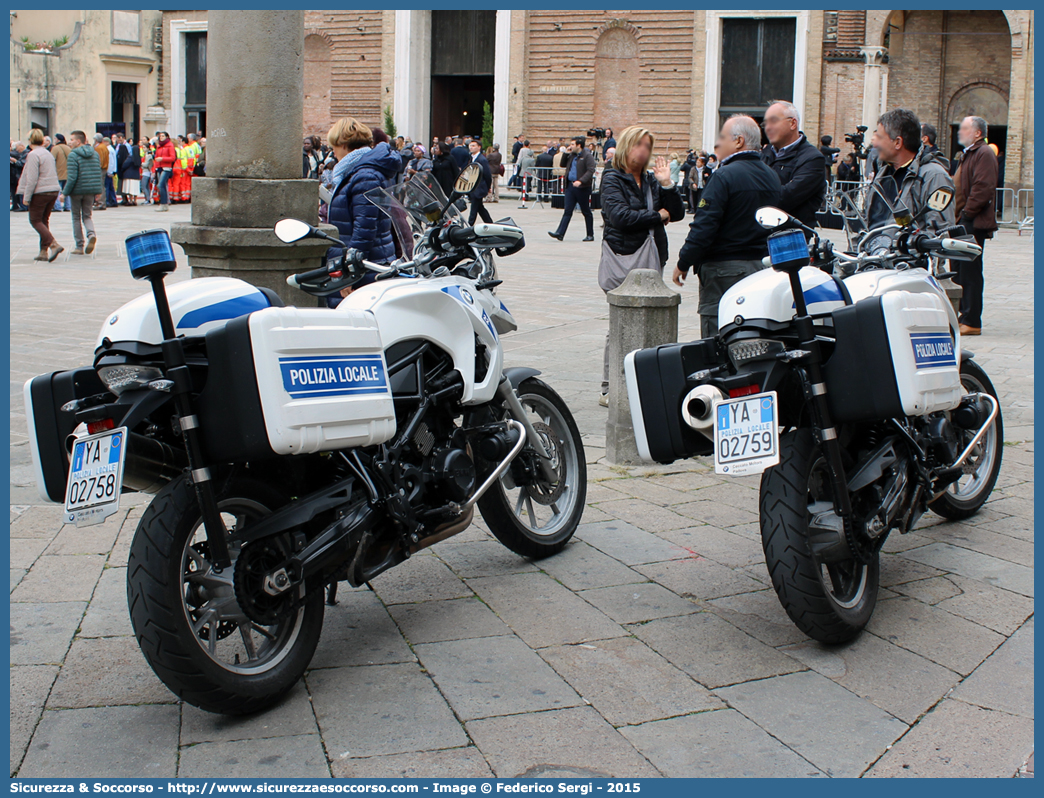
<point x="702" y="203"/>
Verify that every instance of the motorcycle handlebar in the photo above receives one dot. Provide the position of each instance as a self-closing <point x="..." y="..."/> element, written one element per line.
<point x="458" y="236"/>
<point x="928" y="245"/>
<point x="294" y="280"/>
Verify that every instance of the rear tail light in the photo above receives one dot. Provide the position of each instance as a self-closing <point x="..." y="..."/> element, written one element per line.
<point x="99" y="426"/>
<point x="746" y="390"/>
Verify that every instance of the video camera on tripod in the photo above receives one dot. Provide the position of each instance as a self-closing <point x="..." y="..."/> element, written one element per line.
<point x="856" y="140"/>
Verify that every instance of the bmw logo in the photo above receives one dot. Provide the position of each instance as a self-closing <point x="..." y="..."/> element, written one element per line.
<point x="740" y="300"/>
<point x="467" y="296"/>
<point x="114" y="319"/>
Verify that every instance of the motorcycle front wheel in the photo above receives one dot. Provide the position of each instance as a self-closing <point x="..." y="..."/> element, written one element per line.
<point x="830" y="602"/>
<point x="966" y="496"/>
<point x="530" y="517"/>
<point x="186" y="615"/>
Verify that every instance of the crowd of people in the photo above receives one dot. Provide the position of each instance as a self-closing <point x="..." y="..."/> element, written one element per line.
<point x="637" y="193"/>
<point x="79" y="176"/>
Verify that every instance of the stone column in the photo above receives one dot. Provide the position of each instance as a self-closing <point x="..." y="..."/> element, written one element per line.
<point x="643" y="312"/>
<point x="255" y="118"/>
<point x="872" y="77"/>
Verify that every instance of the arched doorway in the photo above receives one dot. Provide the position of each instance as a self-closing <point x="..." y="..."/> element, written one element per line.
<point x="936" y="57"/>
<point x="991" y="104"/>
<point x="616" y="78"/>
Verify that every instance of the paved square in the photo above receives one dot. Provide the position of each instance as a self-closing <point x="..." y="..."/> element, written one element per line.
<point x="653" y="645"/>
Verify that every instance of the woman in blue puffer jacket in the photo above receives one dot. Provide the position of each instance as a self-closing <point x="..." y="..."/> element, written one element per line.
<point x="361" y="167"/>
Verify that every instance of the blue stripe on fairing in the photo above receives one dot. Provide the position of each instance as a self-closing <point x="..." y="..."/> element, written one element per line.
<point x="826" y="292"/>
<point x="229" y="309"/>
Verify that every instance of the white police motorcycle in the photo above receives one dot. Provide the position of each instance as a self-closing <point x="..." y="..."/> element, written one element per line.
<point x="293" y="448"/>
<point x="844" y="383"/>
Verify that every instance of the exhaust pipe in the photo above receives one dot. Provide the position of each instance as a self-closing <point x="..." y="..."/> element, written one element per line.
<point x="698" y="408"/>
<point x="151" y="464"/>
<point x="447" y="530"/>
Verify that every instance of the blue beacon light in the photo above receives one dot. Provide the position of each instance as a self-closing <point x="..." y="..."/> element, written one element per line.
<point x="150" y="253"/>
<point x="788" y="250"/>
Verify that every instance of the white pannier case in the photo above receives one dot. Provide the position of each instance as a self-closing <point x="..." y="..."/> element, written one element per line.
<point x="322" y="379"/>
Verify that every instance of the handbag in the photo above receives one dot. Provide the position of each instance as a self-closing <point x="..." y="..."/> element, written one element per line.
<point x="613" y="268"/>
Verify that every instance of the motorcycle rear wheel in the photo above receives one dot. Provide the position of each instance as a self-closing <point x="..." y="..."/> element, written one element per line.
<point x="532" y="520"/>
<point x="187" y="619"/>
<point x="832" y="602"/>
<point x="965" y="497"/>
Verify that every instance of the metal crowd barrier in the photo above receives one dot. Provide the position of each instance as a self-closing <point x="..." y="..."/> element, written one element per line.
<point x="540" y="183"/>
<point x="1024" y="209"/>
<point x="1006" y="205"/>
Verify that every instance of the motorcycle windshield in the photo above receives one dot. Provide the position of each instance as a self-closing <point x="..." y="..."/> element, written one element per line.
<point x="853" y="205"/>
<point x="412" y="205"/>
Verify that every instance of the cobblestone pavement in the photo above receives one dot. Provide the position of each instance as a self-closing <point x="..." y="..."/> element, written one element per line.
<point x="652" y="645"/>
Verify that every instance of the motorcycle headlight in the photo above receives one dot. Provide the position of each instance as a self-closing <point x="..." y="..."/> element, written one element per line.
<point x="126" y="376"/>
<point x="752" y="349"/>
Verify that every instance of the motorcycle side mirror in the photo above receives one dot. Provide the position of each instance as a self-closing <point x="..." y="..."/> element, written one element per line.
<point x="467" y="179"/>
<point x="770" y="218"/>
<point x="940" y="199"/>
<point x="291" y="230"/>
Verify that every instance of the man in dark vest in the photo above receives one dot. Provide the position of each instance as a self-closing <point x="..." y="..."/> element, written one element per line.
<point x="579" y="166"/>
<point x="799" y="166"/>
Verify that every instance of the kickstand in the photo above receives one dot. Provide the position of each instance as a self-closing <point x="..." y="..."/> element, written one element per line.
<point x="331" y="595"/>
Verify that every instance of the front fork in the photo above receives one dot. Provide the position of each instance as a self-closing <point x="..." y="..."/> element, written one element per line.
<point x="823" y="430"/>
<point x="177" y="371"/>
<point x="507" y="393"/>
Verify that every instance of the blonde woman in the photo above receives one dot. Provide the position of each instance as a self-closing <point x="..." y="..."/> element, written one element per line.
<point x="636" y="204"/>
<point x="675" y="167"/>
<point x="361" y="167"/>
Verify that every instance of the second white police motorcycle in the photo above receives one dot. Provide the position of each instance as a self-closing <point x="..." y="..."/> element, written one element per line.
<point x="845" y="383"/>
<point x="293" y="448"/>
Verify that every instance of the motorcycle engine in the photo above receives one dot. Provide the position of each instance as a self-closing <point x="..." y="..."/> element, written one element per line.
<point x="446" y="468"/>
<point x="941" y="437"/>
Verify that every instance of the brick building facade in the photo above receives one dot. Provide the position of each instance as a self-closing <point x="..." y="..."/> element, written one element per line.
<point x="558" y="73"/>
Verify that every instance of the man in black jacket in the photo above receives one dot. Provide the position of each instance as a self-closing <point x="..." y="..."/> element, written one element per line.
<point x="829" y="155"/>
<point x="800" y="167"/>
<point x="516" y="148"/>
<point x="459" y="153"/>
<point x="725" y="242"/>
<point x="478" y="194"/>
<point x="579" y="166"/>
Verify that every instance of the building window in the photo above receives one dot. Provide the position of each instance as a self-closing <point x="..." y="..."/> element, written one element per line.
<point x="125" y="109"/>
<point x="196" y="82"/>
<point x="126" y="27"/>
<point x="757" y="65"/>
<point x="40" y="117"/>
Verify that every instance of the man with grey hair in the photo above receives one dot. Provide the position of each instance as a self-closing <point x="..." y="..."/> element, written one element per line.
<point x="975" y="184"/>
<point x="917" y="172"/>
<point x="725" y="242"/>
<point x="799" y="165"/>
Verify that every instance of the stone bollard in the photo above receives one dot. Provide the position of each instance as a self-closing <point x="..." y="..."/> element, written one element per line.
<point x="643" y="312"/>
